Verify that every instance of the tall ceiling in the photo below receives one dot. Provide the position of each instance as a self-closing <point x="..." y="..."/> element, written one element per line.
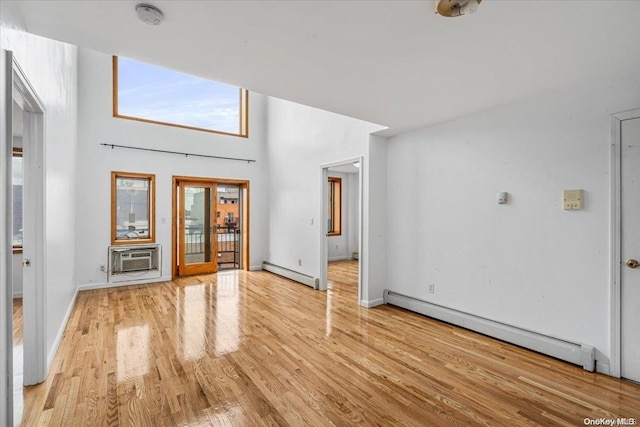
<point x="393" y="63"/>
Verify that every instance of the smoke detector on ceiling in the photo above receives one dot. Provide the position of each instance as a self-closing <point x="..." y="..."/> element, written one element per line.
<point x="149" y="14"/>
<point x="452" y="8"/>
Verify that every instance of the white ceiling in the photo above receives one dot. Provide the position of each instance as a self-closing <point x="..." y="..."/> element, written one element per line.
<point x="394" y="63"/>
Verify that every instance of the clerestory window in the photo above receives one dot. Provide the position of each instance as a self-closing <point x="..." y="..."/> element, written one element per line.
<point x="158" y="95"/>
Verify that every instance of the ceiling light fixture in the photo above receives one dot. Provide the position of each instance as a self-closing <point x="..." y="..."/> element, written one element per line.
<point x="149" y="14"/>
<point x="452" y="8"/>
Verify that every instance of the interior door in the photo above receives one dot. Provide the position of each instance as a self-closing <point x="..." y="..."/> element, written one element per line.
<point x="197" y="245"/>
<point x="630" y="250"/>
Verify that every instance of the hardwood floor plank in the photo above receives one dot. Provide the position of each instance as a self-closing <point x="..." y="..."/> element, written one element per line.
<point x="253" y="349"/>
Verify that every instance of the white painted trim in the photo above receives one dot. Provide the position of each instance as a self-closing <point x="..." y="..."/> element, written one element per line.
<point x="614" y="286"/>
<point x="104" y="285"/>
<point x="627" y="115"/>
<point x="6" y="259"/>
<point x="577" y="353"/>
<point x="603" y="368"/>
<point x="341" y="162"/>
<point x="616" y="261"/>
<point x="255" y="268"/>
<point x="322" y="231"/>
<point x="361" y="278"/>
<point x="60" y="334"/>
<point x="17" y="295"/>
<point x="35" y="278"/>
<point x="373" y="303"/>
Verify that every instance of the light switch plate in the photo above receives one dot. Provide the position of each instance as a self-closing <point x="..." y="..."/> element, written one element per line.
<point x="502" y="197"/>
<point x="573" y="200"/>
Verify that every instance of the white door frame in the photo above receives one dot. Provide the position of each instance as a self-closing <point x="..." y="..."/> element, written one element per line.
<point x="34" y="235"/>
<point x="616" y="261"/>
<point x="324" y="239"/>
<point x="6" y="251"/>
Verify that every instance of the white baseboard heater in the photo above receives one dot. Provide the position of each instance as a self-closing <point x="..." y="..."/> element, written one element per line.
<point x="313" y="282"/>
<point x="578" y="354"/>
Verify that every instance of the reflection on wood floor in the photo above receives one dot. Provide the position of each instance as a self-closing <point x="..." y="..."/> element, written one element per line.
<point x="250" y="348"/>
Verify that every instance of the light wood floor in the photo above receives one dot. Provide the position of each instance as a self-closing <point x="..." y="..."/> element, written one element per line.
<point x="250" y="349"/>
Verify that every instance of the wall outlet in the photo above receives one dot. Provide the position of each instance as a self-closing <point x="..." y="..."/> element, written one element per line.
<point x="103" y="268"/>
<point x="337" y="246"/>
<point x="432" y="288"/>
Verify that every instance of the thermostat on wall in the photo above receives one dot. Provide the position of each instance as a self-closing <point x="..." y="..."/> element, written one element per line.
<point x="573" y="200"/>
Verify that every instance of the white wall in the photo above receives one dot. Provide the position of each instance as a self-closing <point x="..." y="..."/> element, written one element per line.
<point x="374" y="201"/>
<point x="301" y="139"/>
<point x="51" y="67"/>
<point x="527" y="263"/>
<point x="95" y="163"/>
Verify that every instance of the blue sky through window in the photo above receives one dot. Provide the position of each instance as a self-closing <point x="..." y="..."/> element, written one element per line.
<point x="154" y="93"/>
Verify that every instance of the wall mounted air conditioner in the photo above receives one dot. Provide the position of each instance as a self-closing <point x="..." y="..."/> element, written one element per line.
<point x="134" y="262"/>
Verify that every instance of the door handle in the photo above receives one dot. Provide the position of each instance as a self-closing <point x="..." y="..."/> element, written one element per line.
<point x="26" y="263"/>
<point x="632" y="263"/>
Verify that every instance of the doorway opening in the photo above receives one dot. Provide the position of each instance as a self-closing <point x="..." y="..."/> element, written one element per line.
<point x="26" y="265"/>
<point x="210" y="225"/>
<point x="625" y="294"/>
<point x="342" y="227"/>
<point x="228" y="226"/>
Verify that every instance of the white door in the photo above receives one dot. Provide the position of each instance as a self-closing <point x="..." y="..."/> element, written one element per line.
<point x="630" y="250"/>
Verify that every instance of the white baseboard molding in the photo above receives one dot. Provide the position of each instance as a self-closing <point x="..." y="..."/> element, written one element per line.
<point x="603" y="367"/>
<point x="255" y="268"/>
<point x="102" y="285"/>
<point x="312" y="282"/>
<point x="60" y="334"/>
<point x="578" y="354"/>
<point x="17" y="295"/>
<point x="372" y="303"/>
<point x="340" y="258"/>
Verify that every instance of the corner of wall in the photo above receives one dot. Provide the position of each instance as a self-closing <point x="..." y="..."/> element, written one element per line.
<point x="375" y="213"/>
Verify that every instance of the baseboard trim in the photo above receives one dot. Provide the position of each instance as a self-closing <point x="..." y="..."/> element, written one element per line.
<point x="373" y="303"/>
<point x="340" y="258"/>
<point x="103" y="285"/>
<point x="60" y="334"/>
<point x="312" y="282"/>
<point x="255" y="268"/>
<point x="603" y="367"/>
<point x="17" y="295"/>
<point x="576" y="353"/>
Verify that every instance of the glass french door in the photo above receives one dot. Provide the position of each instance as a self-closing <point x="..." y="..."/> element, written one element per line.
<point x="197" y="243"/>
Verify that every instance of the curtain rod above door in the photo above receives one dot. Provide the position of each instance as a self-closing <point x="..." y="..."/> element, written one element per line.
<point x="177" y="152"/>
